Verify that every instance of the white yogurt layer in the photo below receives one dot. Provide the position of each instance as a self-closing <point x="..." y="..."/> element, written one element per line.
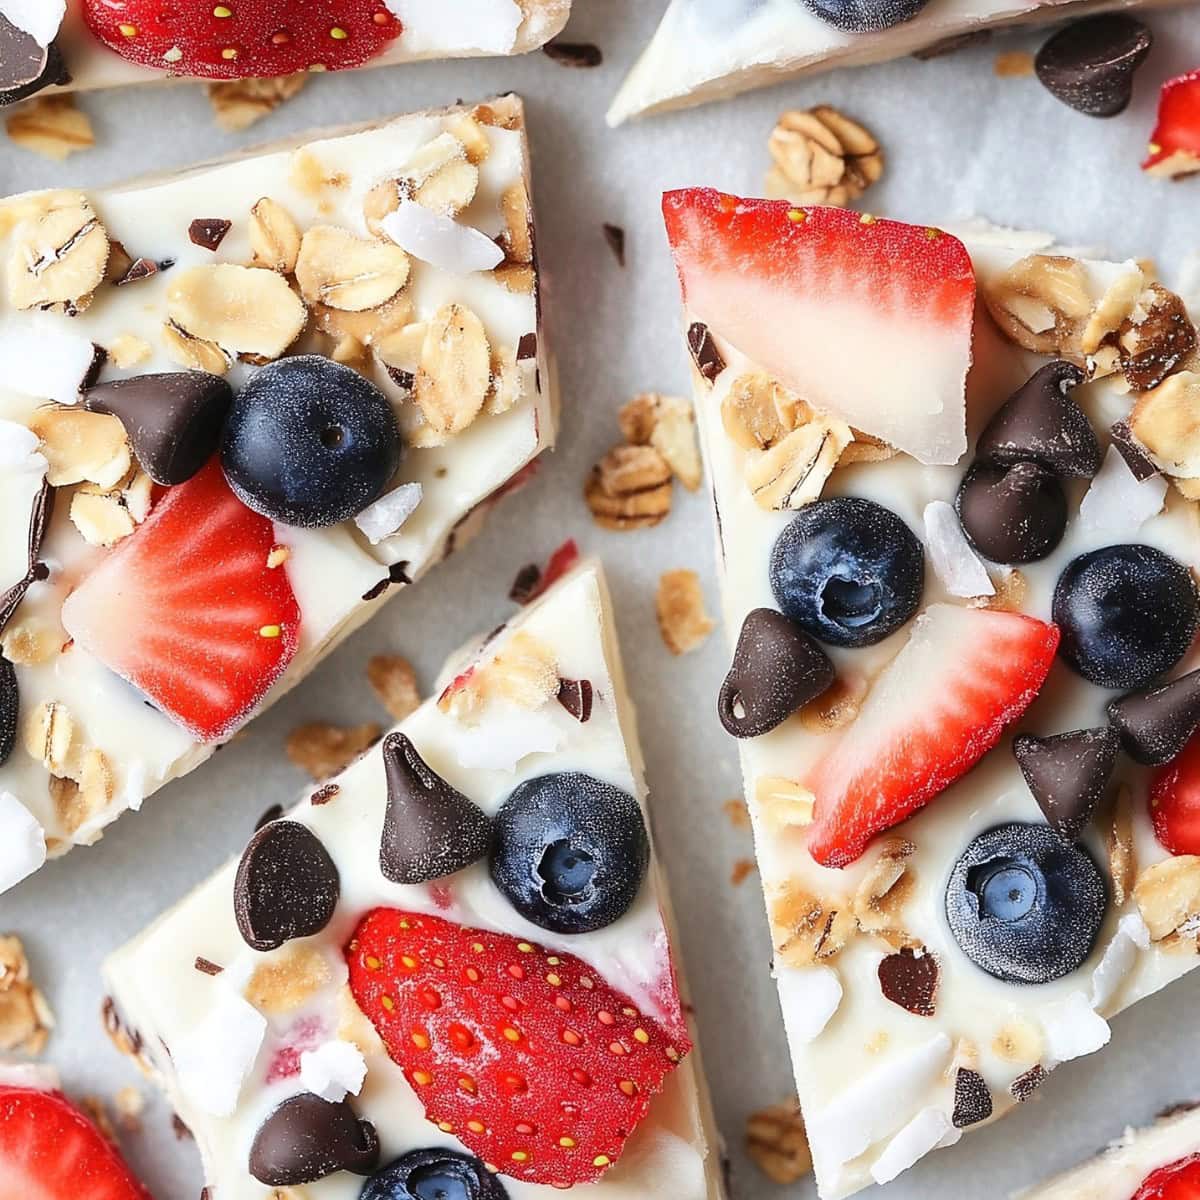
<point x="705" y="51"/>
<point x="876" y="1082"/>
<point x="159" y="992"/>
<point x="332" y="571"/>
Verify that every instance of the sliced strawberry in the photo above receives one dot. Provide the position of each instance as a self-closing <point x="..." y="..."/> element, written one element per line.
<point x="1175" y="801"/>
<point x="50" y="1151"/>
<point x="188" y="610"/>
<point x="869" y="319"/>
<point x="243" y="38"/>
<point x="938" y="707"/>
<point x="1175" y="143"/>
<point x="1179" y="1181"/>
<point x="535" y="1063"/>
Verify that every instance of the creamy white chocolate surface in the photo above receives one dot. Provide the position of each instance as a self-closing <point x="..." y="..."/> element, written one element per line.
<point x="706" y="50"/>
<point x="336" y="572"/>
<point x="865" y="1066"/>
<point x="162" y="999"/>
<point x="1117" y="1173"/>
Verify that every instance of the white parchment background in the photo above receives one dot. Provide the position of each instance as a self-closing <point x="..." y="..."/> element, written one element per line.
<point x="959" y="142"/>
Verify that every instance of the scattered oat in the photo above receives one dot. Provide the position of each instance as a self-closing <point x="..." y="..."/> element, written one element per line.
<point x="81" y="445"/>
<point x="239" y="103"/>
<point x="395" y="683"/>
<point x="1013" y="64"/>
<point x="776" y="1141"/>
<point x="630" y="488"/>
<point x="784" y="802"/>
<point x="25" y="1017"/>
<point x="821" y="156"/>
<point x="128" y="351"/>
<point x="807" y="929"/>
<point x="59" y="256"/>
<point x="682" y="619"/>
<point x="455" y="370"/>
<point x="1019" y="1041"/>
<point x="287" y="979"/>
<point x="323" y="750"/>
<point x="742" y="870"/>
<point x="52" y="126"/>
<point x="274" y="236"/>
<point x="886" y="887"/>
<point x="1168" y="897"/>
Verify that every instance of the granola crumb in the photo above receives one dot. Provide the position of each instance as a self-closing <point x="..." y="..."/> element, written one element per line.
<point x="323" y="750"/>
<point x="25" y="1017"/>
<point x="742" y="870"/>
<point x="394" y="681"/>
<point x="52" y="126"/>
<point x="821" y="156"/>
<point x="130" y="1104"/>
<point x="629" y="488"/>
<point x="737" y="812"/>
<point x="1013" y="64"/>
<point x="682" y="619"/>
<point x="95" y="1108"/>
<point x="239" y="103"/>
<point x="776" y="1141"/>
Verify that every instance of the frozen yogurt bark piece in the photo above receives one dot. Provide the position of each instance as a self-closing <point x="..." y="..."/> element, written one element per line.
<point x="952" y="484"/>
<point x="240" y="408"/>
<point x="106" y="43"/>
<point x="1161" y="1162"/>
<point x="452" y="957"/>
<point x="710" y="49"/>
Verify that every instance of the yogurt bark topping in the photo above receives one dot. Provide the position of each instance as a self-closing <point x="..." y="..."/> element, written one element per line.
<point x="239" y="410"/>
<point x="957" y="534"/>
<point x="356" y="997"/>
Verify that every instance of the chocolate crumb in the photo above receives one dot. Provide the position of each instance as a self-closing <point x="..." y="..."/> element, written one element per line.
<point x="1136" y="459"/>
<point x="99" y="358"/>
<point x="910" y="980"/>
<point x="182" y="1132"/>
<point x="742" y="870"/>
<point x="209" y="232"/>
<point x="272" y="814"/>
<point x="140" y="268"/>
<point x="972" y="1099"/>
<point x="704" y="351"/>
<point x="375" y="592"/>
<point x="576" y="695"/>
<point x="1025" y="1085"/>
<point x="207" y="967"/>
<point x="614" y="235"/>
<point x="527" y="347"/>
<point x="404" y="380"/>
<point x="525" y="585"/>
<point x="323" y="795"/>
<point x="574" y="54"/>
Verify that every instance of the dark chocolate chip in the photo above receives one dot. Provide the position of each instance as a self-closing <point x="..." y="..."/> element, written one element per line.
<point x="776" y="668"/>
<point x="972" y="1099"/>
<point x="1156" y="724"/>
<point x="575" y="695"/>
<point x="209" y="232"/>
<point x="307" y="1138"/>
<point x="574" y="54"/>
<point x="527" y="347"/>
<point x="24" y="63"/>
<point x="1012" y="513"/>
<point x="1067" y="774"/>
<point x="1131" y="450"/>
<point x="207" y="967"/>
<point x="287" y="886"/>
<point x="404" y="380"/>
<point x="1089" y="65"/>
<point x="910" y="980"/>
<point x="1151" y="349"/>
<point x="525" y="585"/>
<point x="431" y="829"/>
<point x="614" y="235"/>
<point x="10" y="709"/>
<point x="1026" y="1084"/>
<point x="1042" y="421"/>
<point x="272" y="814"/>
<point x="174" y="421"/>
<point x="704" y="350"/>
<point x="323" y="795"/>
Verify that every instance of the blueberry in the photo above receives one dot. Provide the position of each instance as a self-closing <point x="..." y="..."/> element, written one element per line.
<point x="1127" y="615"/>
<point x="1024" y="905"/>
<point x="310" y="442"/>
<point x="570" y="852"/>
<point x="865" y="16"/>
<point x="848" y="571"/>
<point x="434" y="1175"/>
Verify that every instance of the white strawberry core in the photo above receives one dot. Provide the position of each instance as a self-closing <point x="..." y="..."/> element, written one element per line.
<point x="488" y="25"/>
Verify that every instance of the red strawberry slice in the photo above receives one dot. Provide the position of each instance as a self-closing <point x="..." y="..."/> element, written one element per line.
<point x="188" y="610"/>
<point x="1179" y="1181"/>
<point x="50" y="1151"/>
<point x="1175" y="801"/>
<point x="1175" y="143"/>
<point x="240" y="39"/>
<point x="535" y="1063"/>
<point x="869" y="319"/>
<point x="938" y="707"/>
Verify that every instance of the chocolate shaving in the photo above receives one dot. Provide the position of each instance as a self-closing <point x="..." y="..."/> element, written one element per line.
<point x="705" y="354"/>
<point x="140" y="268"/>
<point x="614" y="235"/>
<point x="910" y="980"/>
<point x="207" y="967"/>
<point x="36" y="572"/>
<point x="209" y="232"/>
<point x="323" y="795"/>
<point x="972" y="1099"/>
<point x="525" y="585"/>
<point x="575" y="695"/>
<point x="1136" y="459"/>
<point x="574" y="54"/>
<point x="527" y="347"/>
<point x="1025" y="1085"/>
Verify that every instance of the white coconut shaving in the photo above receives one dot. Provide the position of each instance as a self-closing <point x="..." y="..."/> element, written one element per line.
<point x="47" y="363"/>
<point x="441" y="241"/>
<point x="22" y="842"/>
<point x="1071" y="1028"/>
<point x="19" y="450"/>
<point x="333" y="1070"/>
<point x="1119" y="958"/>
<point x="213" y="1059"/>
<point x="928" y="1130"/>
<point x="809" y="996"/>
<point x="1118" y="504"/>
<point x="385" y="517"/>
<point x="41" y="19"/>
<point x="487" y="25"/>
<point x="956" y="564"/>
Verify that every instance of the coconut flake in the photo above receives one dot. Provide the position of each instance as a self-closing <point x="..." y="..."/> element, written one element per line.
<point x="22" y="842"/>
<point x="333" y="1070"/>
<point x="870" y="1108"/>
<point x="487" y="25"/>
<point x="1118" y="503"/>
<point x="504" y="737"/>
<point x="1072" y="1028"/>
<point x="19" y="449"/>
<point x="440" y="241"/>
<point x="810" y="996"/>
<point x="928" y="1130"/>
<point x="48" y="363"/>
<point x="385" y="517"/>
<point x="1119" y="958"/>
<point x="957" y="565"/>
<point x="41" y="19"/>
<point x="213" y="1060"/>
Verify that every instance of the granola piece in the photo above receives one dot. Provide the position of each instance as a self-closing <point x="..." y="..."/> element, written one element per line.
<point x="1116" y="306"/>
<point x="369" y="326"/>
<point x="1168" y="896"/>
<point x="741" y="871"/>
<point x="342" y="271"/>
<point x="394" y="681"/>
<point x="1155" y="339"/>
<point x="807" y="929"/>
<point x="525" y="672"/>
<point x="757" y="412"/>
<point x="1041" y="303"/>
<point x="669" y="425"/>
<point x="82" y="446"/>
<point x="239" y="103"/>
<point x="58" y="258"/>
<point x="105" y="516"/>
<point x="470" y="132"/>
<point x="776" y="1141"/>
<point x="508" y="380"/>
<point x="454" y="372"/>
<point x="821" y="156"/>
<point x="25" y="1017"/>
<point x="287" y="979"/>
<point x="1166" y="421"/>
<point x="629" y="488"/>
<point x="197" y="354"/>
<point x="441" y="177"/>
<point x="682" y="620"/>
<point x="274" y="236"/>
<point x="52" y="126"/>
<point x="865" y="449"/>
<point x="32" y="640"/>
<point x="1013" y="64"/>
<point x="517" y="239"/>
<point x="323" y="750"/>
